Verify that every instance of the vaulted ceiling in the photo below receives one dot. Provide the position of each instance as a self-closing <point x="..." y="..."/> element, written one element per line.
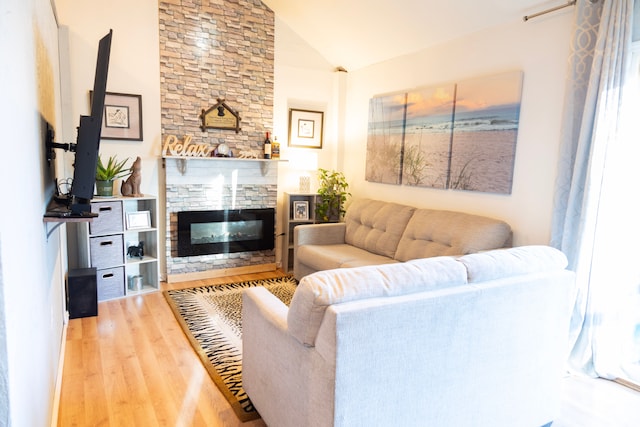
<point x="357" y="33"/>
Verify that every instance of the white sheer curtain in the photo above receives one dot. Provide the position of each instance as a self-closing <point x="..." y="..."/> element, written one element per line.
<point x="594" y="212"/>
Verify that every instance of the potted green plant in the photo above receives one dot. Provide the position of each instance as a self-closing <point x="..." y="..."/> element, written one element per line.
<point x="332" y="193"/>
<point x="105" y="174"/>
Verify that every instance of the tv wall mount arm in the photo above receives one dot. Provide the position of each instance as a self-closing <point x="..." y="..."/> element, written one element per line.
<point x="50" y="145"/>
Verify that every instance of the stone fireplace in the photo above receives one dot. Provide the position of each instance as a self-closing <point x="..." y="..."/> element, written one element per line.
<point x="223" y="185"/>
<point x="210" y="51"/>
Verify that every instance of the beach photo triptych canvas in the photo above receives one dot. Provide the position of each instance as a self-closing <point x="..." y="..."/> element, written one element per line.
<point x="454" y="136"/>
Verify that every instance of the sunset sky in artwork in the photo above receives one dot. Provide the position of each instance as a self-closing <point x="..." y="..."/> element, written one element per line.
<point x="434" y="100"/>
<point x="489" y="91"/>
<point x="472" y="94"/>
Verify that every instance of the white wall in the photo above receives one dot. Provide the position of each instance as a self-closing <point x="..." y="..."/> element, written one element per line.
<point x="134" y="68"/>
<point x="302" y="80"/>
<point x="540" y="49"/>
<point x="32" y="282"/>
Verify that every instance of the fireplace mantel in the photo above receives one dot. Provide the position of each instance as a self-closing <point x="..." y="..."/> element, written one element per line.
<point x="225" y="159"/>
<point x="182" y="161"/>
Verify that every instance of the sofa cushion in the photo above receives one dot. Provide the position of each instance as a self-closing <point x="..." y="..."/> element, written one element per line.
<point x="376" y="226"/>
<point x="512" y="262"/>
<point x="319" y="290"/>
<point x="436" y="233"/>
<point x="328" y="257"/>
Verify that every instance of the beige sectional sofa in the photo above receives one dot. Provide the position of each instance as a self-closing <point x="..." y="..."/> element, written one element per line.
<point x="377" y="232"/>
<point x="472" y="341"/>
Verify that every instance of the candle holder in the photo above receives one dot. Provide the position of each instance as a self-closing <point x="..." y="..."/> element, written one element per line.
<point x="305" y="184"/>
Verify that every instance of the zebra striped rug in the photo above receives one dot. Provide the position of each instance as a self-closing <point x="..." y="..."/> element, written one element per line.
<point x="210" y="317"/>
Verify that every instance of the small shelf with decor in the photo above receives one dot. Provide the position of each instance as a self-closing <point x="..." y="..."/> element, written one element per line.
<point x="300" y="208"/>
<point x="122" y="244"/>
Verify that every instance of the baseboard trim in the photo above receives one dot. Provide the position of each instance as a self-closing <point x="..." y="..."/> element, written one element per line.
<point x="222" y="272"/>
<point x="58" y="389"/>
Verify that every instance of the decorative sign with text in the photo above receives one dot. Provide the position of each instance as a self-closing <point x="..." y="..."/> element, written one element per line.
<point x="220" y="116"/>
<point x="185" y="148"/>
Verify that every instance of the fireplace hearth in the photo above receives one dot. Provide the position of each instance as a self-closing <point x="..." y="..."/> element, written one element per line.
<point x="225" y="231"/>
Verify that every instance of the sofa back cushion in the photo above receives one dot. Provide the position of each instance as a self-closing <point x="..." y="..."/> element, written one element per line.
<point x="376" y="226"/>
<point x="516" y="261"/>
<point x="319" y="290"/>
<point x="437" y="232"/>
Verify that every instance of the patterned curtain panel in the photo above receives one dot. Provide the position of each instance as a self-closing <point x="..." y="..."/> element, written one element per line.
<point x="636" y="21"/>
<point x="583" y="219"/>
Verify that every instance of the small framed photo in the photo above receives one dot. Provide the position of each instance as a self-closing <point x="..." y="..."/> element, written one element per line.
<point x="305" y="128"/>
<point x="301" y="210"/>
<point x="122" y="117"/>
<point x="136" y="220"/>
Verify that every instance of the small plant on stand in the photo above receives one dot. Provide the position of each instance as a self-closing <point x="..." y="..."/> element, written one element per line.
<point x="105" y="174"/>
<point x="332" y="192"/>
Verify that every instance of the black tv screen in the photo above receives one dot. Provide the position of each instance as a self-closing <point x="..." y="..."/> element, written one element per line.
<point x="88" y="140"/>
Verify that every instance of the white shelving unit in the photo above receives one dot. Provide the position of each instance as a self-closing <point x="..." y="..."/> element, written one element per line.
<point x="291" y="220"/>
<point x="122" y="223"/>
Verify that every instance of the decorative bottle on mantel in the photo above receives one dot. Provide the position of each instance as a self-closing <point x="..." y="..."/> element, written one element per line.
<point x="275" y="148"/>
<point x="267" y="147"/>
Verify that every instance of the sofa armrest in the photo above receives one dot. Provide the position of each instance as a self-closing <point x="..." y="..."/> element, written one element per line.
<point x="279" y="374"/>
<point x="319" y="234"/>
<point x="259" y="302"/>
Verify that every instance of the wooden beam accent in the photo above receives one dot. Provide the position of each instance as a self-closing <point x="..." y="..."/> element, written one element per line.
<point x="222" y="272"/>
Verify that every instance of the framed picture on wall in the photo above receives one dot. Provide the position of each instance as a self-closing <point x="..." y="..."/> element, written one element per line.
<point x="305" y="128"/>
<point x="122" y="117"/>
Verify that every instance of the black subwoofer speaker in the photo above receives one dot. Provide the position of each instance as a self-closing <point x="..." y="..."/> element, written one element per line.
<point x="82" y="293"/>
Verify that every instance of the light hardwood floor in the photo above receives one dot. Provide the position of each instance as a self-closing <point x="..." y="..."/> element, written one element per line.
<point x="132" y="366"/>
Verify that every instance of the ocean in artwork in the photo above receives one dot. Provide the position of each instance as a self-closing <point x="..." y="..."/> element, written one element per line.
<point x="460" y="136"/>
<point x="475" y="151"/>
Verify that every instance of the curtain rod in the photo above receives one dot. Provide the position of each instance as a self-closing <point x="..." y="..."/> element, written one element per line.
<point x="553" y="9"/>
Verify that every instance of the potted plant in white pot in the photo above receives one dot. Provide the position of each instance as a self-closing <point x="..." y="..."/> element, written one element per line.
<point x="106" y="173"/>
<point x="332" y="192"/>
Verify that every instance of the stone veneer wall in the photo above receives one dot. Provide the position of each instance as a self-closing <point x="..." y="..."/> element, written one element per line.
<point x="208" y="50"/>
<point x="216" y="49"/>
